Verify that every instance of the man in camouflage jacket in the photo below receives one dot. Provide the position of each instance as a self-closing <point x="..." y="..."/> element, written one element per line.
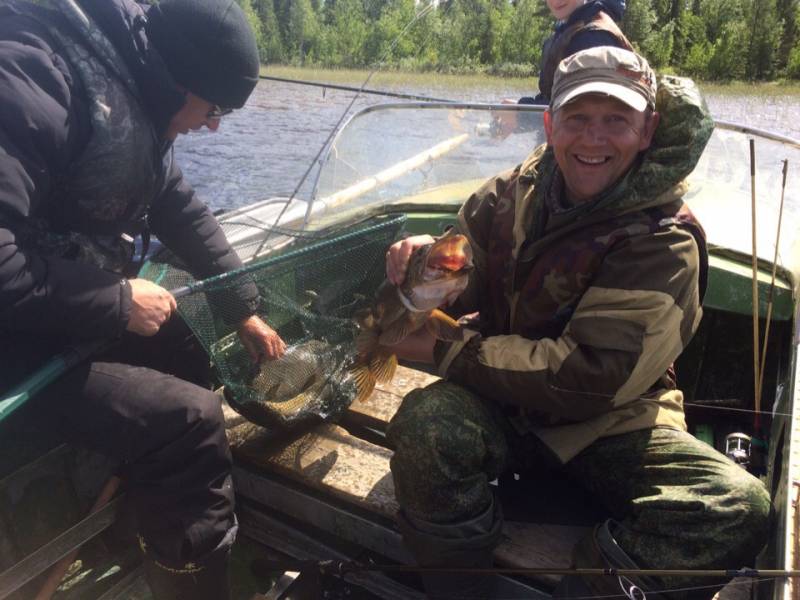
<point x="588" y="284"/>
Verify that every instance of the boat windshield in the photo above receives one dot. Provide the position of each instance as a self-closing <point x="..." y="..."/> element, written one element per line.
<point x="427" y="153"/>
<point x="720" y="194"/>
<point x="436" y="155"/>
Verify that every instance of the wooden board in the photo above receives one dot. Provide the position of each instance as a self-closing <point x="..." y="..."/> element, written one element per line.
<point x="329" y="460"/>
<point x="336" y="463"/>
<point x="380" y="407"/>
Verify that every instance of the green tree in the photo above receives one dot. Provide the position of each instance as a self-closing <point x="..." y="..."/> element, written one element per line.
<point x="460" y="42"/>
<point x="387" y="41"/>
<point x="793" y="65"/>
<point x="526" y="33"/>
<point x="716" y="14"/>
<point x="696" y="48"/>
<point x="638" y="21"/>
<point x="302" y="30"/>
<point x="788" y="14"/>
<point x="253" y="19"/>
<point x="763" y="40"/>
<point x="271" y="46"/>
<point x="728" y="60"/>
<point x="342" y="42"/>
<point x="658" y="45"/>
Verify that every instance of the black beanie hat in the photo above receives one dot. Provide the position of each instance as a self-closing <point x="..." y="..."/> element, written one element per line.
<point x="208" y="46"/>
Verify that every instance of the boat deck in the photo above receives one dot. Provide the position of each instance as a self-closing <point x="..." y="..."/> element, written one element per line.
<point x="330" y="494"/>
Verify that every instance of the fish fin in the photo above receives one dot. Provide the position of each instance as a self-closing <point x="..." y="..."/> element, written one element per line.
<point x="444" y="327"/>
<point x="365" y="382"/>
<point x="367" y="340"/>
<point x="383" y="365"/>
<point x="400" y="330"/>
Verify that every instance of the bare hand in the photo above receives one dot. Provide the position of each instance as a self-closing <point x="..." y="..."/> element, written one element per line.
<point x="398" y="254"/>
<point x="260" y="340"/>
<point x="151" y="307"/>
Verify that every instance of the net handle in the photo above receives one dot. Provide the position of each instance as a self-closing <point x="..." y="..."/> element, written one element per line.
<point x="199" y="286"/>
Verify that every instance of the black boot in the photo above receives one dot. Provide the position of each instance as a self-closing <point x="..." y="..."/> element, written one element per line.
<point x="600" y="550"/>
<point x="468" y="544"/>
<point x="204" y="579"/>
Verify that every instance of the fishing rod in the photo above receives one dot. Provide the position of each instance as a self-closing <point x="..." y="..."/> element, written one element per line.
<point x="348" y="88"/>
<point x="771" y="295"/>
<point x="342" y="567"/>
<point x="756" y="337"/>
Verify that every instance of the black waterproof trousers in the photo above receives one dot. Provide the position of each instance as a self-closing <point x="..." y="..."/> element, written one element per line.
<point x="135" y="405"/>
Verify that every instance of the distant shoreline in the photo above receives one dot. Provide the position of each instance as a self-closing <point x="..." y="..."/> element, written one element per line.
<point x="397" y="80"/>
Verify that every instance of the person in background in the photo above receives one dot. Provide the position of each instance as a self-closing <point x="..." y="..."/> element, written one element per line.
<point x="93" y="95"/>
<point x="588" y="284"/>
<point x="580" y="25"/>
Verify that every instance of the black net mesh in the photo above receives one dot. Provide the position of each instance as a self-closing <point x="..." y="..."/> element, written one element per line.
<point x="309" y="292"/>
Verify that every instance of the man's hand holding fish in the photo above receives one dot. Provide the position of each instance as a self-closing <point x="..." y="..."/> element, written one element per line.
<point x="404" y="320"/>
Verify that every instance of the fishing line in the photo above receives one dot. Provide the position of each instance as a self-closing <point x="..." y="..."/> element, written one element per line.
<point x="421" y="14"/>
<point x="348" y="88"/>
<point x="739" y="410"/>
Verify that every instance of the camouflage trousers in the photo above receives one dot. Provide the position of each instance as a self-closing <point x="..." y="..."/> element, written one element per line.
<point x="679" y="503"/>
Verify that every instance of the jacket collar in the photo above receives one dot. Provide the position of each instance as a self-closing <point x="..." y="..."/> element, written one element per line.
<point x="123" y="22"/>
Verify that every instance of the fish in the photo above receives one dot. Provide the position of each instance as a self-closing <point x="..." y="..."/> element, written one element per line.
<point x="304" y="386"/>
<point x="437" y="274"/>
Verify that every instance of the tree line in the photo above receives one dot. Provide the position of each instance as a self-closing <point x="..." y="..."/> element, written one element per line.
<point x="707" y="39"/>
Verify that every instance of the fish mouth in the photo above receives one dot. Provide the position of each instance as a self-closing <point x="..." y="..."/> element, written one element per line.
<point x="450" y="254"/>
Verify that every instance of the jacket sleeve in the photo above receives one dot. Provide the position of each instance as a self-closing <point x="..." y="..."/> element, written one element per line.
<point x="42" y="125"/>
<point x="187" y="227"/>
<point x="630" y="325"/>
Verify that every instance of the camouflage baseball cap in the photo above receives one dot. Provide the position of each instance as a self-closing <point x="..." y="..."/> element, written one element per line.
<point x="605" y="70"/>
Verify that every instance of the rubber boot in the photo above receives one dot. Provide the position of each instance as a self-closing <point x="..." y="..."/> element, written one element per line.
<point x="600" y="550"/>
<point x="205" y="579"/>
<point x="468" y="544"/>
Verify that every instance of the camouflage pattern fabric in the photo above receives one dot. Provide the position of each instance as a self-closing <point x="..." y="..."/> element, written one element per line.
<point x="679" y="503"/>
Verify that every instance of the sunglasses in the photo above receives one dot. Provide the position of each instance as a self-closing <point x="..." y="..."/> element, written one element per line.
<point x="216" y="113"/>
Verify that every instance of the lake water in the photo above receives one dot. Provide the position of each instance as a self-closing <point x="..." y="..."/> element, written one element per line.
<point x="264" y="149"/>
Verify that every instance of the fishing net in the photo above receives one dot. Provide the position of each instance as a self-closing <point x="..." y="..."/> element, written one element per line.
<point x="310" y="288"/>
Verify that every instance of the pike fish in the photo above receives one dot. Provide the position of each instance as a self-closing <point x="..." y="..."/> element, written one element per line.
<point x="437" y="274"/>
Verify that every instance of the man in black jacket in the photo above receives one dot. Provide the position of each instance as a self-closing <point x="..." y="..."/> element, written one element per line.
<point x="92" y="95"/>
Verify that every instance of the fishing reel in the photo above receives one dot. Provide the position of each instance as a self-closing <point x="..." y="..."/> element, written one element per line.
<point x="738" y="447"/>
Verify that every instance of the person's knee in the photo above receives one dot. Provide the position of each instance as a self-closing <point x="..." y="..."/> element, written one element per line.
<point x="428" y="436"/>
<point x="207" y="424"/>
<point x="756" y="509"/>
<point x="204" y="410"/>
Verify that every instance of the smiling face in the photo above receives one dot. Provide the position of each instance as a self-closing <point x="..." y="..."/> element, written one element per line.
<point x="596" y="139"/>
<point x="562" y="9"/>
<point x="192" y="116"/>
